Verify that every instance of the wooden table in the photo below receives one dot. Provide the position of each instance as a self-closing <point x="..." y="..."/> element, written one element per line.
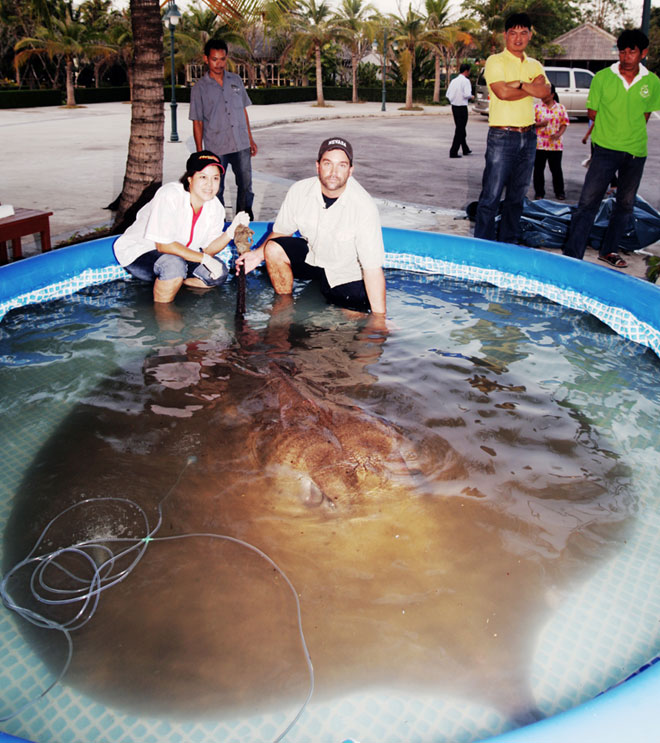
<point x="23" y="222"/>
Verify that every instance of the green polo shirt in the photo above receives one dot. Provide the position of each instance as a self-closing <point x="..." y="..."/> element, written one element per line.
<point x="621" y="123"/>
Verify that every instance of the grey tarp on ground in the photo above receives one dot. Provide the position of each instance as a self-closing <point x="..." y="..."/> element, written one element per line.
<point x="545" y="224"/>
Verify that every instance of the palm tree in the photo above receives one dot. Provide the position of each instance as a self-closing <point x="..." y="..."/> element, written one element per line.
<point x="102" y="18"/>
<point x="456" y="41"/>
<point x="18" y="19"/>
<point x="67" y="39"/>
<point x="144" y="164"/>
<point x="120" y="37"/>
<point x="357" y="31"/>
<point x="197" y="26"/>
<point x="437" y="15"/>
<point x="313" y="27"/>
<point x="491" y="15"/>
<point x="410" y="32"/>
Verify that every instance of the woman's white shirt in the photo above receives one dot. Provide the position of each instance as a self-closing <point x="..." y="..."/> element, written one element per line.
<point x="168" y="218"/>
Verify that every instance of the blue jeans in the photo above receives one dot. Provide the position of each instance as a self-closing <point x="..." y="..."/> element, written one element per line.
<point x="165" y="266"/>
<point x="509" y="164"/>
<point x="241" y="164"/>
<point x="604" y="165"/>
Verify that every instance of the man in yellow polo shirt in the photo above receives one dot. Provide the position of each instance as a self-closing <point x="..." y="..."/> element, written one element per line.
<point x="514" y="80"/>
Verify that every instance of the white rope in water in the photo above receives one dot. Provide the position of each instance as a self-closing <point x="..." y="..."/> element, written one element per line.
<point x="106" y="571"/>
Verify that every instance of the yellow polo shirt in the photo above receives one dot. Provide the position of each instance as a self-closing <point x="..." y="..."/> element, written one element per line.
<point x="507" y="67"/>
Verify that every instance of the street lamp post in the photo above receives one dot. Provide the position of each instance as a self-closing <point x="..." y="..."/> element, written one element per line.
<point x="374" y="46"/>
<point x="382" y="105"/>
<point x="395" y="46"/>
<point x="173" y="16"/>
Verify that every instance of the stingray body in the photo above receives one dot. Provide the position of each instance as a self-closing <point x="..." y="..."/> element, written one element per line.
<point x="418" y="565"/>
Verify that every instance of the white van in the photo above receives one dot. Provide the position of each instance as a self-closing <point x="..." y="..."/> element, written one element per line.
<point x="571" y="83"/>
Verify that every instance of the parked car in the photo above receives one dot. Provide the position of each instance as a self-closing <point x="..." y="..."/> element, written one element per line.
<point x="572" y="86"/>
<point x="571" y="83"/>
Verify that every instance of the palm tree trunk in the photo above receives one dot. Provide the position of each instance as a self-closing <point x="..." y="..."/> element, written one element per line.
<point x="436" y="82"/>
<point x="354" y="65"/>
<point x="144" y="164"/>
<point x="320" y="100"/>
<point x="70" y="94"/>
<point x="409" y="84"/>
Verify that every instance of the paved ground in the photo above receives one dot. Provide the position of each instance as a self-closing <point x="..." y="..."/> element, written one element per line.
<point x="72" y="161"/>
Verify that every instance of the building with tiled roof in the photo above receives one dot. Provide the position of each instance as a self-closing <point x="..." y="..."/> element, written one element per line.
<point x="586" y="46"/>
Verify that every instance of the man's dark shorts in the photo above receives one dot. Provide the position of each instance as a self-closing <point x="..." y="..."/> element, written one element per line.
<point x="352" y="296"/>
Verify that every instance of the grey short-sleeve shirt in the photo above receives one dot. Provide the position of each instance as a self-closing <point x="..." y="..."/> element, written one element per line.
<point x="222" y="110"/>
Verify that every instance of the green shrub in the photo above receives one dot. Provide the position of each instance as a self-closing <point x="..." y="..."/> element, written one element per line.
<point x="266" y="96"/>
<point x="102" y="95"/>
<point x="30" y="98"/>
<point x="182" y="94"/>
<point x="258" y="96"/>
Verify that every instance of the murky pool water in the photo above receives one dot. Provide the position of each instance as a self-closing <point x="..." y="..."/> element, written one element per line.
<point x="464" y="502"/>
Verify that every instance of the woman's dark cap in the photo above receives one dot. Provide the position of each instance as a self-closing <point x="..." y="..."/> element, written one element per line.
<point x="200" y="160"/>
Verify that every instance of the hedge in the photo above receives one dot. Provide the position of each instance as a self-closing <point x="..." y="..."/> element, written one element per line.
<point x="30" y="98"/>
<point x="102" y="95"/>
<point x="392" y="94"/>
<point x="182" y="94"/>
<point x="258" y="96"/>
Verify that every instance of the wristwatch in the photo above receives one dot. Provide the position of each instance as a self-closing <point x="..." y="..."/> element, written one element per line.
<point x="520" y="84"/>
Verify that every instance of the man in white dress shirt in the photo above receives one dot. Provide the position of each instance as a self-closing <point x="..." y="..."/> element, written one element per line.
<point x="459" y="93"/>
<point x="341" y="243"/>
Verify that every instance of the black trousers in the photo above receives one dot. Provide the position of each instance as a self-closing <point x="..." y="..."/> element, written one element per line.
<point x="553" y="158"/>
<point x="460" y="114"/>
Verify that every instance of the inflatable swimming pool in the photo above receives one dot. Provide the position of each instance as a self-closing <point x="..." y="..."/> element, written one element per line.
<point x="629" y="306"/>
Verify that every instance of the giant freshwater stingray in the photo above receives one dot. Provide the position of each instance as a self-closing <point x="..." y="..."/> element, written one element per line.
<point x="420" y="561"/>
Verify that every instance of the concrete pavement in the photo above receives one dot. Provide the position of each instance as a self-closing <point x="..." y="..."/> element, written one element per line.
<point x="72" y="161"/>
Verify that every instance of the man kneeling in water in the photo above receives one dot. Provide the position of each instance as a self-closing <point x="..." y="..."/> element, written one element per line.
<point x="341" y="243"/>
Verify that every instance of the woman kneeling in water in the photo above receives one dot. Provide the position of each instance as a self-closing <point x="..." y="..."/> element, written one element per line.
<point x="177" y="237"/>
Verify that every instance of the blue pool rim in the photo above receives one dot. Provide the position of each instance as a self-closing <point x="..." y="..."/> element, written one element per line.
<point x="630" y="306"/>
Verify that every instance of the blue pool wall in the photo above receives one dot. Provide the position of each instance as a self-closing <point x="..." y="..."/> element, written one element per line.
<point x="628" y="305"/>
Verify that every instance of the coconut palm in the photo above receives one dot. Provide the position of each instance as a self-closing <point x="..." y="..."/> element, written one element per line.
<point x="356" y="29"/>
<point x="437" y="17"/>
<point x="144" y="164"/>
<point x="410" y="32"/>
<point x="454" y="43"/>
<point x="197" y="26"/>
<point x="312" y="27"/>
<point x="66" y="39"/>
<point x="102" y="18"/>
<point x="120" y="37"/>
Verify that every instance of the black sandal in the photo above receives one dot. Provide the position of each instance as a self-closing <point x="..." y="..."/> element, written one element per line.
<point x="614" y="259"/>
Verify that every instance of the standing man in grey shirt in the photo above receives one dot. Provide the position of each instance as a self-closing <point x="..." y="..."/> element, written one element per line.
<point x="218" y="110"/>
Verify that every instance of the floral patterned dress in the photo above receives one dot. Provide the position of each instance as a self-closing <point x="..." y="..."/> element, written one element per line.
<point x="556" y="116"/>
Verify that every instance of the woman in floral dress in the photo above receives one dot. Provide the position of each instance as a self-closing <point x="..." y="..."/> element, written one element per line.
<point x="551" y="123"/>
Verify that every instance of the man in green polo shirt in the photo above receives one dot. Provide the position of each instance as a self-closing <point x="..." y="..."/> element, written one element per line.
<point x="621" y="99"/>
